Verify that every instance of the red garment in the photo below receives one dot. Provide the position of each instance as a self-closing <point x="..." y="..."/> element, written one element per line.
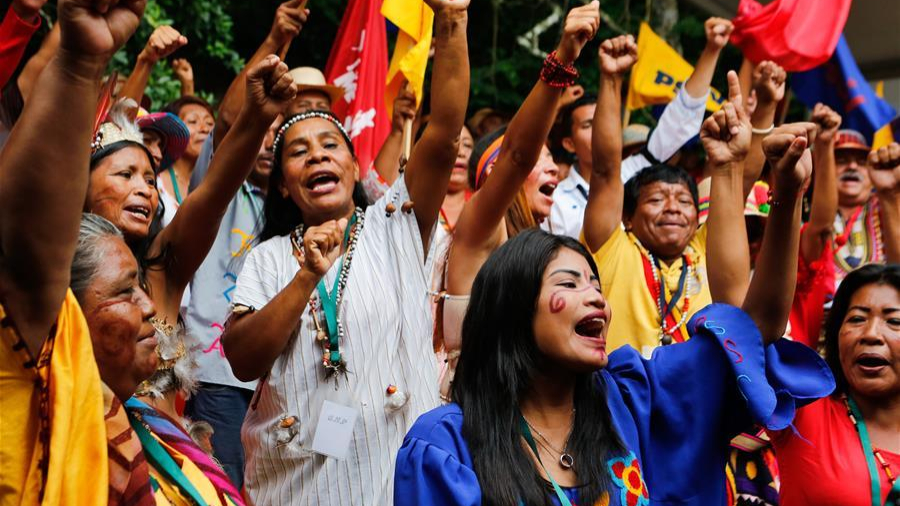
<point x="825" y="465"/>
<point x="815" y="286"/>
<point x="358" y="64"/>
<point x="14" y="36"/>
<point x="796" y="34"/>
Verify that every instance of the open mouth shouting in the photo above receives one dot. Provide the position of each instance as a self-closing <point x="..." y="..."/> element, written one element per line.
<point x="871" y="364"/>
<point x="591" y="327"/>
<point x="548" y="189"/>
<point x="322" y="182"/>
<point x="139" y="212"/>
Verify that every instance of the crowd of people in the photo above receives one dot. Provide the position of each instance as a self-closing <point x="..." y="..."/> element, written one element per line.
<point x="220" y="306"/>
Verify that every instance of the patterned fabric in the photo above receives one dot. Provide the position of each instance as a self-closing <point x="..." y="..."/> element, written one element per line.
<point x="626" y="474"/>
<point x="753" y="478"/>
<point x="129" y="475"/>
<point x="182" y="448"/>
<point x="863" y="243"/>
<point x="52" y="446"/>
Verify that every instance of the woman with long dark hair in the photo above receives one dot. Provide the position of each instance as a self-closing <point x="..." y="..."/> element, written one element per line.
<point x="544" y="416"/>
<point x="849" y="452"/>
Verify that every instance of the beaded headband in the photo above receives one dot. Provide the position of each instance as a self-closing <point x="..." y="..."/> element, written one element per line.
<point x="117" y="127"/>
<point x="487" y="159"/>
<point x="279" y="136"/>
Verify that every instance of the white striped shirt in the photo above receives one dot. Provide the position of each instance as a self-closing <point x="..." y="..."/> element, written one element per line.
<point x="388" y="326"/>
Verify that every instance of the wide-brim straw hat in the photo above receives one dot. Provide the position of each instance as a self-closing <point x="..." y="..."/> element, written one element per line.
<point x="312" y="79"/>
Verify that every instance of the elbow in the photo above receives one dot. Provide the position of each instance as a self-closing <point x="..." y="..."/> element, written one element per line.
<point x="240" y="367"/>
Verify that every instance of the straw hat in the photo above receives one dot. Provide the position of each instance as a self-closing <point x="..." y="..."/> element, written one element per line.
<point x="635" y="134"/>
<point x="312" y="79"/>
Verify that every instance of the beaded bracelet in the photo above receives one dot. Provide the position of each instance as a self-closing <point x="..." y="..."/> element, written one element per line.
<point x="556" y="74"/>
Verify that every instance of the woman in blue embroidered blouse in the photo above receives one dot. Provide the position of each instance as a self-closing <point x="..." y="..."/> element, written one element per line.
<point x="541" y="427"/>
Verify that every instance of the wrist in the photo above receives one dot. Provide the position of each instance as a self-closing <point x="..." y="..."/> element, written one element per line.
<point x="764" y="116"/>
<point x="610" y="80"/>
<point x="565" y="54"/>
<point x="306" y="279"/>
<point x="81" y="67"/>
<point x="145" y="58"/>
<point x="711" y="49"/>
<point x="727" y="168"/>
<point x="448" y="22"/>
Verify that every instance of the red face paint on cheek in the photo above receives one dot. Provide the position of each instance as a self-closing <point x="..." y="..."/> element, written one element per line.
<point x="557" y="303"/>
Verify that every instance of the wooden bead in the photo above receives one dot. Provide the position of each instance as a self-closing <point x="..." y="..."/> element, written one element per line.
<point x="407" y="206"/>
<point x="287" y="422"/>
<point x="390" y="208"/>
<point x="321" y="336"/>
<point x="391" y="390"/>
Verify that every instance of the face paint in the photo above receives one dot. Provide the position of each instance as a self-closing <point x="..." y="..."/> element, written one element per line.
<point x="558" y="303"/>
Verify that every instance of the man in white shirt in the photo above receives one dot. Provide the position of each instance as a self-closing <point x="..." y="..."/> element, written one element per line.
<point x="679" y="123"/>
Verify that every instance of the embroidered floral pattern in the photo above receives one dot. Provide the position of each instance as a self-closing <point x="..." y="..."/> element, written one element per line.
<point x="626" y="473"/>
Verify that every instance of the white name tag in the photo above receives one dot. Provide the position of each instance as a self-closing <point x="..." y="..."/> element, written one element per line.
<point x="334" y="430"/>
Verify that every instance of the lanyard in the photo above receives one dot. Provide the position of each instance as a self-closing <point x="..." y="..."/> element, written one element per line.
<point x="869" y="453"/>
<point x="174" y="180"/>
<point x="526" y="433"/>
<point x="329" y="302"/>
<point x="665" y="307"/>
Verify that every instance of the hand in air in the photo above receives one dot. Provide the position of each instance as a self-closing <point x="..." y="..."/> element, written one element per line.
<point x="726" y="134"/>
<point x="884" y="169"/>
<point x="270" y="88"/>
<point x="581" y="25"/>
<point x="618" y="55"/>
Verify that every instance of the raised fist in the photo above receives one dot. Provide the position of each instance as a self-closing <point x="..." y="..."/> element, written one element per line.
<point x="289" y="20"/>
<point x="184" y="72"/>
<point x="827" y="121"/>
<point x="884" y="169"/>
<point x="164" y="41"/>
<point x="718" y="30"/>
<point x="581" y="25"/>
<point x="270" y="88"/>
<point x="726" y="134"/>
<point x="785" y="148"/>
<point x="618" y="55"/>
<point x="95" y="29"/>
<point x="404" y="109"/>
<point x="768" y="82"/>
<point x="322" y="246"/>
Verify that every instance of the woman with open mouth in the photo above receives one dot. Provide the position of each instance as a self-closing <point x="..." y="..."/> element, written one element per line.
<point x="518" y="194"/>
<point x="544" y="415"/>
<point x="848" y="451"/>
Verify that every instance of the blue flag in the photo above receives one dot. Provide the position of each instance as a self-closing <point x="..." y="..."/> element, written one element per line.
<point x="840" y="85"/>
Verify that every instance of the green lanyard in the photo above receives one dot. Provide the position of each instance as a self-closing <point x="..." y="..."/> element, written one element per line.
<point x="874" y="479"/>
<point x="174" y="180"/>
<point x="526" y="433"/>
<point x="160" y="459"/>
<point x="329" y="302"/>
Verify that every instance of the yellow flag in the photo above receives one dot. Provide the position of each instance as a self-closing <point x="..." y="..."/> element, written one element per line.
<point x="885" y="134"/>
<point x="659" y="73"/>
<point x="415" y="20"/>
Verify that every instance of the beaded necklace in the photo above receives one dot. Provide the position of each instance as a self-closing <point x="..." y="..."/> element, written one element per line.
<point x="329" y="303"/>
<point x="871" y="454"/>
<point x="663" y="307"/>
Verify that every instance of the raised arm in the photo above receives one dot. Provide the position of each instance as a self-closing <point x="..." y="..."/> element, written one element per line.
<point x="432" y="158"/>
<point x="44" y="178"/>
<point x="768" y="86"/>
<point x="726" y="139"/>
<point x="164" y="41"/>
<point x="21" y="21"/>
<point x="771" y="290"/>
<point x="193" y="230"/>
<point x="605" y="199"/>
<point x="825" y="195"/>
<point x="253" y="340"/>
<point x="289" y="20"/>
<point x="34" y="66"/>
<point x="717" y="32"/>
<point x="184" y="72"/>
<point x="387" y="163"/>
<point x="884" y="171"/>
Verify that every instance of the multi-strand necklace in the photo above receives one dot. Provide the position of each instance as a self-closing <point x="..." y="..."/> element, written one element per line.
<point x="872" y="455"/>
<point x="663" y="307"/>
<point x="329" y="303"/>
<point x="565" y="458"/>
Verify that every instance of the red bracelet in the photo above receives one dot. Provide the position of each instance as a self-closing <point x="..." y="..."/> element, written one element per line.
<point x="556" y="74"/>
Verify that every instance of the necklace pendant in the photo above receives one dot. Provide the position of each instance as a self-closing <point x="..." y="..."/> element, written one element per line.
<point x="665" y="339"/>
<point x="566" y="461"/>
<point x="321" y="336"/>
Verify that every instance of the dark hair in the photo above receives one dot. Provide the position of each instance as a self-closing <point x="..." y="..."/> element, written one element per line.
<point x="566" y="113"/>
<point x="652" y="174"/>
<point x="871" y="274"/>
<point x="478" y="150"/>
<point x="176" y="106"/>
<point x="142" y="247"/>
<point x="498" y="362"/>
<point x="280" y="214"/>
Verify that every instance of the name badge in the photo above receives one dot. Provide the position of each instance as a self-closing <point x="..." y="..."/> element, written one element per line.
<point x="334" y="430"/>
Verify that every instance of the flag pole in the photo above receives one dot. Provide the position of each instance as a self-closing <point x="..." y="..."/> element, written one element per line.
<point x="407" y="134"/>
<point x="287" y="45"/>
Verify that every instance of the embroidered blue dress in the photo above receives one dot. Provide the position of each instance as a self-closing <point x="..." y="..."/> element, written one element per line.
<point x="675" y="413"/>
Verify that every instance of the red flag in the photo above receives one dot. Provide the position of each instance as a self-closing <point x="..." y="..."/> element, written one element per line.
<point x="358" y="64"/>
<point x="796" y="34"/>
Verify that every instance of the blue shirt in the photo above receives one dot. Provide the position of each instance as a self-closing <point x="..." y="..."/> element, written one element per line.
<point x="675" y="413"/>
